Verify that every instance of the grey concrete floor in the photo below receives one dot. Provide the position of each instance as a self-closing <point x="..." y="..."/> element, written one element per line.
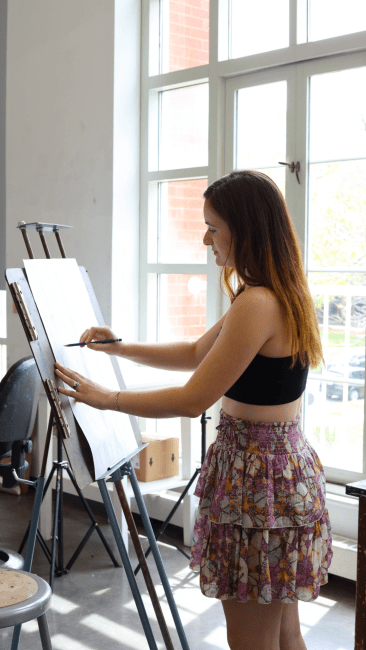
<point x="93" y="607"/>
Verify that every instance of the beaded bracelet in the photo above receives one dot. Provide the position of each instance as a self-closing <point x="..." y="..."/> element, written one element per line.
<point x="117" y="408"/>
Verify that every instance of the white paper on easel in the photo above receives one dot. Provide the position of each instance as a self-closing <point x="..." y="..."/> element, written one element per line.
<point x="64" y="305"/>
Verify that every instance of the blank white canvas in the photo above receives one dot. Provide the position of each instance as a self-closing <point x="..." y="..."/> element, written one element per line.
<point x="64" y="305"/>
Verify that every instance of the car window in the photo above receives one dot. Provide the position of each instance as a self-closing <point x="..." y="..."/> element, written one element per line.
<point x="358" y="361"/>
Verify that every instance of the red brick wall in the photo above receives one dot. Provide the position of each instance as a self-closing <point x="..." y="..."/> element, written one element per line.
<point x="186" y="312"/>
<point x="188" y="33"/>
<point x="188" y="47"/>
<point x="185" y="222"/>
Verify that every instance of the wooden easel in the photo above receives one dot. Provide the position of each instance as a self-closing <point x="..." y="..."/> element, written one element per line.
<point x="78" y="451"/>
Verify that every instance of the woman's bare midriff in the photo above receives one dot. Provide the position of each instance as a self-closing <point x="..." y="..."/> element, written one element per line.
<point x="280" y="413"/>
<point x="276" y="346"/>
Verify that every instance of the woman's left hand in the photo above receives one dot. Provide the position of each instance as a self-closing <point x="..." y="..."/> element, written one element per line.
<point x="85" y="391"/>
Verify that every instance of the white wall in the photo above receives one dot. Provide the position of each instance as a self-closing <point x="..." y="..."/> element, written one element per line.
<point x="3" y="21"/>
<point x="61" y="141"/>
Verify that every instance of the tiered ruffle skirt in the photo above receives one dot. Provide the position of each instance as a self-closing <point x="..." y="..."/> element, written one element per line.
<point x="263" y="530"/>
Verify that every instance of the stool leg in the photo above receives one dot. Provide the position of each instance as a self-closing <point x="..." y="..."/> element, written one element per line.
<point x="16" y="637"/>
<point x="44" y="632"/>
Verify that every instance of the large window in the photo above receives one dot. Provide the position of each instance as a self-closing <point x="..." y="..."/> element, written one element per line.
<point x="237" y="97"/>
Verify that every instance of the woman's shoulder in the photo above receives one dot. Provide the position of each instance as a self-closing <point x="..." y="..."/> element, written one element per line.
<point x="257" y="295"/>
<point x="277" y="344"/>
<point x="254" y="305"/>
<point x="260" y="304"/>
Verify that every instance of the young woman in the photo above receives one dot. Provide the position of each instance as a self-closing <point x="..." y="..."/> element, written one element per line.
<point x="263" y="535"/>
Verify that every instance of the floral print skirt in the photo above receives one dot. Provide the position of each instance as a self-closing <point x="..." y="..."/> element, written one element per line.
<point x="263" y="530"/>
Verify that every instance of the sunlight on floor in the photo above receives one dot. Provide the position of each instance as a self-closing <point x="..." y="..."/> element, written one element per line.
<point x="325" y="601"/>
<point x="185" y="617"/>
<point x="61" y="605"/>
<point x="101" y="592"/>
<point x="167" y="545"/>
<point x="129" y="637"/>
<point x="30" y="626"/>
<point x="63" y="642"/>
<point x="217" y="637"/>
<point x="311" y="613"/>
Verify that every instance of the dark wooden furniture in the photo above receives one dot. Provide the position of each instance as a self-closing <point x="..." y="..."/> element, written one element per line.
<point x="359" y="490"/>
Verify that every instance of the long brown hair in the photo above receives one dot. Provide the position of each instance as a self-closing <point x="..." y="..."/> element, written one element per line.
<point x="267" y="247"/>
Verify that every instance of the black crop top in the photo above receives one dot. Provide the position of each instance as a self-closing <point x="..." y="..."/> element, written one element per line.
<point x="268" y="381"/>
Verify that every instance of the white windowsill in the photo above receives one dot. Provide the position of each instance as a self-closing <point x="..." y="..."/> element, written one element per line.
<point x="338" y="493"/>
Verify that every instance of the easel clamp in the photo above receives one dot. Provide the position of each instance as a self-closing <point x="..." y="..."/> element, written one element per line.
<point x="58" y="406"/>
<point x="25" y="311"/>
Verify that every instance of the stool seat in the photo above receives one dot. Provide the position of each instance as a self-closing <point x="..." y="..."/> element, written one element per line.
<point x="15" y="587"/>
<point x="31" y="593"/>
<point x="10" y="559"/>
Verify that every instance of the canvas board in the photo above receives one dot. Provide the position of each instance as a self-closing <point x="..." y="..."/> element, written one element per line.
<point x="65" y="308"/>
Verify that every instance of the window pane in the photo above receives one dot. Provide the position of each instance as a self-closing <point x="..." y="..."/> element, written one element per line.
<point x="179" y="313"/>
<point x="183" y="139"/>
<point x="278" y="175"/>
<point x="337" y="215"/>
<point x="337" y="240"/>
<point x="261" y="129"/>
<point x="334" y="407"/>
<point x="329" y="18"/>
<point x="185" y="33"/>
<point x="182" y="226"/>
<point x="337" y="115"/>
<point x="334" y="423"/>
<point x="258" y="26"/>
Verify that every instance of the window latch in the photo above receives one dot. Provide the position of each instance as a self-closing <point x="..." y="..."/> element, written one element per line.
<point x="293" y="168"/>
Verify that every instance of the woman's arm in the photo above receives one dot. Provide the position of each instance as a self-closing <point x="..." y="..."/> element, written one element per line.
<point x="248" y="324"/>
<point x="184" y="355"/>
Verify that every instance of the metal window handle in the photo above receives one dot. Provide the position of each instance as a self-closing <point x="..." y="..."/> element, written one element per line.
<point x="293" y="168"/>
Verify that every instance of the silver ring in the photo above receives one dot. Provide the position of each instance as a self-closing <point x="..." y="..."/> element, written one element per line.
<point x="75" y="385"/>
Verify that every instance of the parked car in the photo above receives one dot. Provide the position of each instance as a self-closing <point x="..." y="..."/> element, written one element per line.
<point x="337" y="310"/>
<point x="336" y="371"/>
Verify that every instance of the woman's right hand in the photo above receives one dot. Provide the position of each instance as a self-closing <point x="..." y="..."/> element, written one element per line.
<point x="101" y="334"/>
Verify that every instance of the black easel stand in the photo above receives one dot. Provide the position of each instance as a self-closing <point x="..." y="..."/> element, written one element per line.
<point x="58" y="568"/>
<point x="45" y="360"/>
<point x="160" y="532"/>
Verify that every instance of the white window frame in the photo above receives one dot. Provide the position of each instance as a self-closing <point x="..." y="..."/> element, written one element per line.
<point x="218" y="73"/>
<point x="297" y="76"/>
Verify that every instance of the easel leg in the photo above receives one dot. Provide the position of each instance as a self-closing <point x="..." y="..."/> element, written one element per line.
<point x="145" y="569"/>
<point x="127" y="564"/>
<point x="159" y="563"/>
<point x="166" y="522"/>
<point x="54" y="532"/>
<point x="60" y="519"/>
<point x="44" y="416"/>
